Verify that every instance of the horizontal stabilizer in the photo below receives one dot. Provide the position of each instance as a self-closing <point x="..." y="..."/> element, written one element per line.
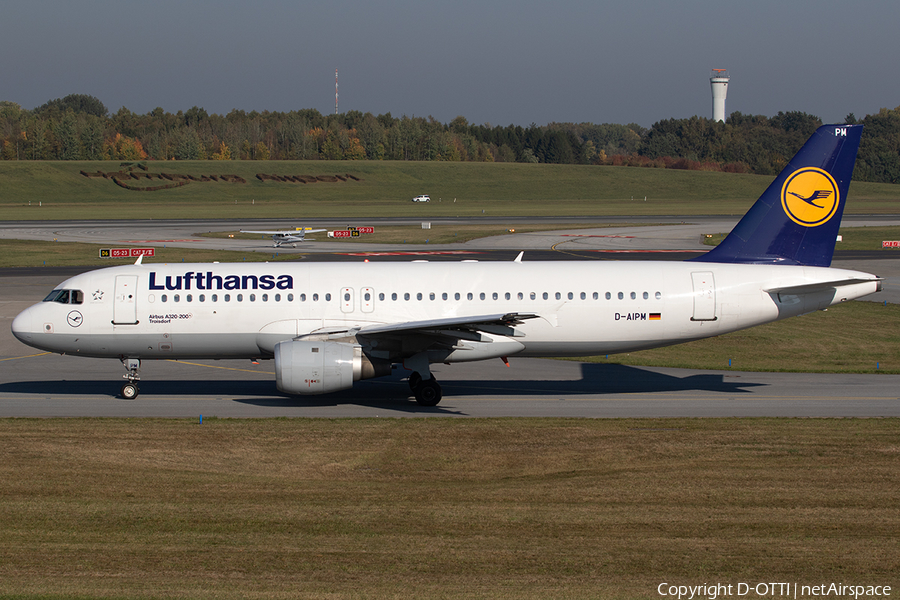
<point x="809" y="288"/>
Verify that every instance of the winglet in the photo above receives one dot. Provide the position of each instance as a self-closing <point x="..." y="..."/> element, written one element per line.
<point x="797" y="218"/>
<point x="519" y="257"/>
<point x="139" y="259"/>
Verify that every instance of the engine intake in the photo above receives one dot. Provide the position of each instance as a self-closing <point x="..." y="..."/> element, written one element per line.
<point x="307" y="367"/>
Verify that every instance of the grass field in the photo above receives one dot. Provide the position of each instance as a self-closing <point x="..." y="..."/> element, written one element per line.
<point x="855" y="337"/>
<point x="56" y="190"/>
<point x="442" y="508"/>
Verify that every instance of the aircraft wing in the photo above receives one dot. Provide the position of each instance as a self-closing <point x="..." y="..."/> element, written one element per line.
<point x="300" y="232"/>
<point x="486" y="323"/>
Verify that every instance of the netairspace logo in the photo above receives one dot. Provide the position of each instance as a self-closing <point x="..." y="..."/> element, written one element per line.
<point x="712" y="591"/>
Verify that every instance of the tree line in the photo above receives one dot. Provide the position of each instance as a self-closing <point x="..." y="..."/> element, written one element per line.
<point x="79" y="127"/>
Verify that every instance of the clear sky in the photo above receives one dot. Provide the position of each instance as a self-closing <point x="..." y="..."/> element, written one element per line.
<point x="491" y="61"/>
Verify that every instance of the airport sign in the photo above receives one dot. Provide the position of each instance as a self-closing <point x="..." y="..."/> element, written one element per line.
<point x="126" y="252"/>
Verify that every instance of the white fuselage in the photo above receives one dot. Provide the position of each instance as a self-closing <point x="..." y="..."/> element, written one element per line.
<point x="158" y="311"/>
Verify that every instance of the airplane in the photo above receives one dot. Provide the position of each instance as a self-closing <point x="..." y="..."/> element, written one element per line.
<point x="327" y="325"/>
<point x="291" y="236"/>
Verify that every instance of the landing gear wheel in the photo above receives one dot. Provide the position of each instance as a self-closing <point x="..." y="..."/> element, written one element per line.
<point x="428" y="392"/>
<point x="414" y="380"/>
<point x="129" y="391"/>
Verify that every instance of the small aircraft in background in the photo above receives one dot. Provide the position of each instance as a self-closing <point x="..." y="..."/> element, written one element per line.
<point x="291" y="236"/>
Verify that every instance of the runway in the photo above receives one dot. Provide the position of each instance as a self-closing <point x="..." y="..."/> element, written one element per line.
<point x="34" y="384"/>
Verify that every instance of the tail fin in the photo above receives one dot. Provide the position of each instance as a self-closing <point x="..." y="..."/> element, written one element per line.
<point x="797" y="218"/>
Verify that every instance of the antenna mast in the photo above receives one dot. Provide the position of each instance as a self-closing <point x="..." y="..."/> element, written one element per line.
<point x="335" y="92"/>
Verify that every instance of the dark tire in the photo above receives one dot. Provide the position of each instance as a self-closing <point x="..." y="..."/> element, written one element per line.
<point x="428" y="393"/>
<point x="130" y="391"/>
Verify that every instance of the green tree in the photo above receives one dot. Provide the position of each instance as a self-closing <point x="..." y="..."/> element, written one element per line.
<point x="187" y="146"/>
<point x="67" y="138"/>
<point x="261" y="152"/>
<point x="77" y="103"/>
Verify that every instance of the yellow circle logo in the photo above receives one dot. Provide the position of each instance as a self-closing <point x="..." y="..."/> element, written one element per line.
<point x="810" y="197"/>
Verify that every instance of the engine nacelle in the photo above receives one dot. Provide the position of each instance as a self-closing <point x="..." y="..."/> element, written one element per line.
<point x="306" y="367"/>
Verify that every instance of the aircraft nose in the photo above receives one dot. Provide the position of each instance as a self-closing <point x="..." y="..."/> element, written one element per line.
<point x="23" y="326"/>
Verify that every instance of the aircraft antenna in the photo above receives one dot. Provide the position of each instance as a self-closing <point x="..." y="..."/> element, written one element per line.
<point x="719" y="83"/>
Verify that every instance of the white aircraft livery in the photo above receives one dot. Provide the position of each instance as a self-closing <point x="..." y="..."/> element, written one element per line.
<point x="327" y="325"/>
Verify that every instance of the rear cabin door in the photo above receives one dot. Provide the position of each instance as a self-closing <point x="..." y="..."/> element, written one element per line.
<point x="704" y="296"/>
<point x="125" y="301"/>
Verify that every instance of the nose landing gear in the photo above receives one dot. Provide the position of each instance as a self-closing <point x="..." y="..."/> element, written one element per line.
<point x="133" y="365"/>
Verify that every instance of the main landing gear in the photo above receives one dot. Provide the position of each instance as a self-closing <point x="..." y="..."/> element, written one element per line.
<point x="422" y="383"/>
<point x="427" y="391"/>
<point x="133" y="365"/>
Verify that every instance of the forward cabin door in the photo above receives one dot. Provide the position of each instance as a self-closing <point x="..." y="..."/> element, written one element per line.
<point x="125" y="301"/>
<point x="704" y="296"/>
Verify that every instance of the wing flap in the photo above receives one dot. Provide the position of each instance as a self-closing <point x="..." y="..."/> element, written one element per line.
<point x="486" y="323"/>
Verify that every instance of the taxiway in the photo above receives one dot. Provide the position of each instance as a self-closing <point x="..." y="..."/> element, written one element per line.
<point x="34" y="384"/>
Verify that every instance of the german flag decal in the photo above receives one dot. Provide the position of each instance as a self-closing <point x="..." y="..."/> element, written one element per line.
<point x="655" y="316"/>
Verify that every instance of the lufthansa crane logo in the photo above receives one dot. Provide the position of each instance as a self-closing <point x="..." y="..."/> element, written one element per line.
<point x="810" y="197"/>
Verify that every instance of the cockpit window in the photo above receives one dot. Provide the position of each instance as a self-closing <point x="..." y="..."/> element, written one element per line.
<point x="65" y="296"/>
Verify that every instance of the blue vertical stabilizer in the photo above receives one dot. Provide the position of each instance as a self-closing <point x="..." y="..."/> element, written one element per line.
<point x="797" y="218"/>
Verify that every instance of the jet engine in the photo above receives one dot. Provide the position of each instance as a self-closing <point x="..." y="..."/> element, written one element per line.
<point x="315" y="367"/>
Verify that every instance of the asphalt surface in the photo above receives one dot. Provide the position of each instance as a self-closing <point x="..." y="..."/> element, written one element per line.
<point x="34" y="384"/>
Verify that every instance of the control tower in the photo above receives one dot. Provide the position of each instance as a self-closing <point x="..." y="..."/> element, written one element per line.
<point x="719" y="84"/>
